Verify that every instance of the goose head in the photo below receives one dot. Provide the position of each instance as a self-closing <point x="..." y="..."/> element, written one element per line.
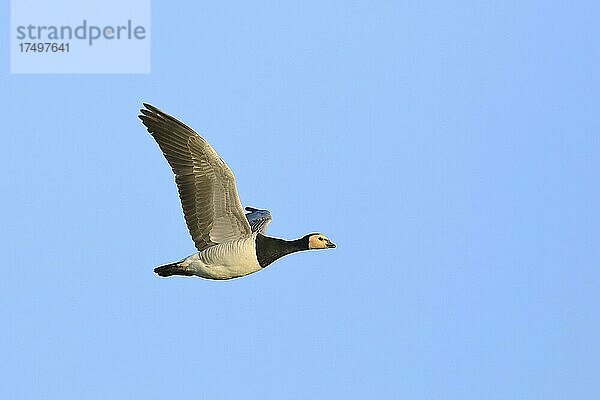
<point x="319" y="241"/>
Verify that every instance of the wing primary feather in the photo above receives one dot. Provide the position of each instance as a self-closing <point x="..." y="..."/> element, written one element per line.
<point x="212" y="209"/>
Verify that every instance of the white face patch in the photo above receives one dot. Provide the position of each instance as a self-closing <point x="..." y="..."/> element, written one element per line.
<point x="319" y="241"/>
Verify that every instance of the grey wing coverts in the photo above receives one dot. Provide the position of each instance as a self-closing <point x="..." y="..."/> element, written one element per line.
<point x="258" y="219"/>
<point x="211" y="206"/>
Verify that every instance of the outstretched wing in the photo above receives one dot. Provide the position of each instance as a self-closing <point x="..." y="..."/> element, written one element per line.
<point x="211" y="206"/>
<point x="258" y="219"/>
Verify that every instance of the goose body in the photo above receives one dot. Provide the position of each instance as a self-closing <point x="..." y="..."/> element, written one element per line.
<point x="230" y="243"/>
<point x="225" y="260"/>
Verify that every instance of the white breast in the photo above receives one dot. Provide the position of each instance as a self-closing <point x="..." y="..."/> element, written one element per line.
<point x="226" y="260"/>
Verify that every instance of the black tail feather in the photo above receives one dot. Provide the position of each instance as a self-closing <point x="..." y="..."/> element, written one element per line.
<point x="172" y="269"/>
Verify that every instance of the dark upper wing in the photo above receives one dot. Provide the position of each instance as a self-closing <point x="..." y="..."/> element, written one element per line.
<point x="211" y="206"/>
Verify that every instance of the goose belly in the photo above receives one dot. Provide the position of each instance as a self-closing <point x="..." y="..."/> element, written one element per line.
<point x="226" y="260"/>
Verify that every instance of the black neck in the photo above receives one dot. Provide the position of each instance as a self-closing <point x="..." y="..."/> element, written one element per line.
<point x="269" y="249"/>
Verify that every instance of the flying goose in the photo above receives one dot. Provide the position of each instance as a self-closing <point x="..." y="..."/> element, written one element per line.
<point x="230" y="243"/>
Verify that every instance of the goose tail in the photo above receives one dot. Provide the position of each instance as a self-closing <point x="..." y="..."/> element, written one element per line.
<point x="172" y="269"/>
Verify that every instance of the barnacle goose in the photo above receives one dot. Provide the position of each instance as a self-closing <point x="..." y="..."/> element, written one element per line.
<point x="230" y="243"/>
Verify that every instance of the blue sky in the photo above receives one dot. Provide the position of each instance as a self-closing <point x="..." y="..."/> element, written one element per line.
<point x="450" y="150"/>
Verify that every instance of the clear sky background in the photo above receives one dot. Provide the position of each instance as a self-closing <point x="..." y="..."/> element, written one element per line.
<point x="451" y="150"/>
